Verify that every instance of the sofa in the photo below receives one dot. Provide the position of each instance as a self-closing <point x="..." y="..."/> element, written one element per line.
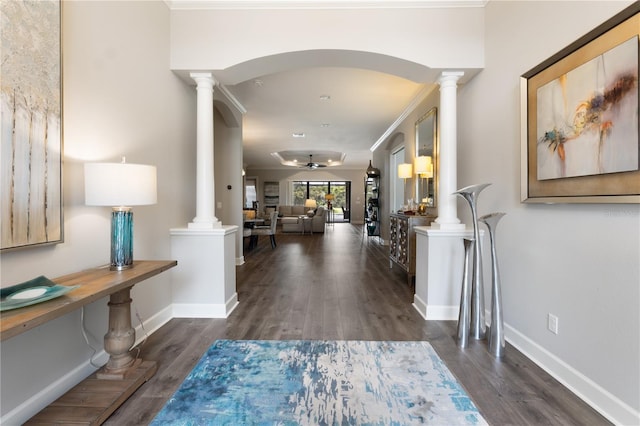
<point x="289" y="217"/>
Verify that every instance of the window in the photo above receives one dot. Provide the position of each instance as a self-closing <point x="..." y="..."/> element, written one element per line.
<point x="317" y="190"/>
<point x="250" y="195"/>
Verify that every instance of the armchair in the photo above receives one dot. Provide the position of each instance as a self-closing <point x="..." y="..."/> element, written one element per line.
<point x="319" y="219"/>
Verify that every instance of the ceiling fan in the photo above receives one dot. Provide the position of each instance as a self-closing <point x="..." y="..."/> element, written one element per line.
<point x="311" y="165"/>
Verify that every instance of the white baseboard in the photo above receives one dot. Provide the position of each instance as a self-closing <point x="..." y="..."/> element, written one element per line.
<point x="420" y="306"/>
<point x="442" y="313"/>
<point x="586" y="389"/>
<point x="435" y="312"/>
<point x="240" y="261"/>
<point x="152" y="324"/>
<point x="205" y="310"/>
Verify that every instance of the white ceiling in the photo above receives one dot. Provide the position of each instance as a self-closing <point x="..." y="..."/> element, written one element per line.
<point x="363" y="107"/>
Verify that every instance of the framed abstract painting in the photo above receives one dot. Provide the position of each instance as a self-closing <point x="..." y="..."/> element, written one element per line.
<point x="31" y="110"/>
<point x="580" y="140"/>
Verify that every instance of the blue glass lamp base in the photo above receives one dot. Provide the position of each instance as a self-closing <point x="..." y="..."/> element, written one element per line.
<point x="121" y="238"/>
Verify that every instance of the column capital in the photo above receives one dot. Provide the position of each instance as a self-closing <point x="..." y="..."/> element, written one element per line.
<point x="204" y="78"/>
<point x="448" y="78"/>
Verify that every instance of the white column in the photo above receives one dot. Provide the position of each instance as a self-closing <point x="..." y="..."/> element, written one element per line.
<point x="447" y="156"/>
<point x="205" y="193"/>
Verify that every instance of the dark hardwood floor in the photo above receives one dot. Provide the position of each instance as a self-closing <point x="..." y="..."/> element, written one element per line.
<point x="339" y="286"/>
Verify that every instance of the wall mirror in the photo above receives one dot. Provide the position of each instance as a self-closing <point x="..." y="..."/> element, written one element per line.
<point x="426" y="161"/>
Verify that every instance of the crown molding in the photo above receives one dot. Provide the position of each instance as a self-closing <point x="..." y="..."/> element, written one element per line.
<point x="318" y="4"/>
<point x="231" y="98"/>
<point x="422" y="94"/>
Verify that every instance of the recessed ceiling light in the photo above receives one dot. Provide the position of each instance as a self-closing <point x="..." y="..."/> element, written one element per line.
<point x="330" y="160"/>
<point x="298" y="135"/>
<point x="295" y="160"/>
<point x="325" y="97"/>
<point x="257" y="82"/>
<point x="325" y="125"/>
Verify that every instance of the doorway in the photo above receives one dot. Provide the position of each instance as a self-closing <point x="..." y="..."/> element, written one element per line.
<point x="333" y="195"/>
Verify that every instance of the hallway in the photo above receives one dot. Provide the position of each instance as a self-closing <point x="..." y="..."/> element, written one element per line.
<point x="339" y="286"/>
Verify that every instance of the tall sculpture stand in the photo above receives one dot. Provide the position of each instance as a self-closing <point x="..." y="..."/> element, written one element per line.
<point x="496" y="331"/>
<point x="464" y="317"/>
<point x="470" y="193"/>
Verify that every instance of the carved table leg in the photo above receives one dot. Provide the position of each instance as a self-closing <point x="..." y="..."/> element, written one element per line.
<point x="120" y="338"/>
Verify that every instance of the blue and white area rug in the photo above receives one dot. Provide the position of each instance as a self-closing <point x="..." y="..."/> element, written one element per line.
<point x="304" y="382"/>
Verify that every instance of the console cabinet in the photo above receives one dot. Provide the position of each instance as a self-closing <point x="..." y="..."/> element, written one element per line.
<point x="402" y="241"/>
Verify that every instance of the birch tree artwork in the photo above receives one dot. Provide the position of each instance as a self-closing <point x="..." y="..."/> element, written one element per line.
<point x="30" y="106"/>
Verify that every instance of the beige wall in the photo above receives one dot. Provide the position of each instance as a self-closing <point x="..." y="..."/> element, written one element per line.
<point x="579" y="262"/>
<point x="120" y="98"/>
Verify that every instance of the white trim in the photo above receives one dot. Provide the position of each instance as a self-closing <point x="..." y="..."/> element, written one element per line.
<point x="435" y="312"/>
<point x="584" y="388"/>
<point x="152" y="324"/>
<point x="420" y="306"/>
<point x="422" y="94"/>
<point x="205" y="310"/>
<point x="234" y="101"/>
<point x="316" y="4"/>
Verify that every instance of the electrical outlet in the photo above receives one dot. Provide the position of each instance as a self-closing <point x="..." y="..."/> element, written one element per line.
<point x="552" y="323"/>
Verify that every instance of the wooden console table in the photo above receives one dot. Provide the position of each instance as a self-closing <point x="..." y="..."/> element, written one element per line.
<point x="96" y="398"/>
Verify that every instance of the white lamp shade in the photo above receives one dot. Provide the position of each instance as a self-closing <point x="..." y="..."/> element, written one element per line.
<point x="119" y="184"/>
<point x="404" y="170"/>
<point x="310" y="203"/>
<point x="423" y="165"/>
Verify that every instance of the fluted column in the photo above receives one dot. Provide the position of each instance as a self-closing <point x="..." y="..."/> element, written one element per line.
<point x="205" y="193"/>
<point x="447" y="156"/>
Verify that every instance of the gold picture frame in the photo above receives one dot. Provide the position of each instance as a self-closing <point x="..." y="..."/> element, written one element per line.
<point x="579" y="135"/>
<point x="31" y="202"/>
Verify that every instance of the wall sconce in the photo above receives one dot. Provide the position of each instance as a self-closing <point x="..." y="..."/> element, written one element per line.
<point x="404" y="170"/>
<point x="120" y="186"/>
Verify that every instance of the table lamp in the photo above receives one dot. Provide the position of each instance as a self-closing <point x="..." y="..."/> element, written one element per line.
<point x="310" y="203"/>
<point x="423" y="166"/>
<point x="120" y="186"/>
<point x="404" y="170"/>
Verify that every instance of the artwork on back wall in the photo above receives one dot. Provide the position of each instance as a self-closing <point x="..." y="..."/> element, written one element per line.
<point x="31" y="110"/>
<point x="580" y="139"/>
<point x="271" y="193"/>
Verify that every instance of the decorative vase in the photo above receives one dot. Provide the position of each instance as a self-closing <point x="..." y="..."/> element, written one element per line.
<point x="470" y="194"/>
<point x="464" y="317"/>
<point x="496" y="330"/>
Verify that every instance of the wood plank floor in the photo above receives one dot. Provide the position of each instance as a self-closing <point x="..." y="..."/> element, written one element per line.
<point x="339" y="286"/>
